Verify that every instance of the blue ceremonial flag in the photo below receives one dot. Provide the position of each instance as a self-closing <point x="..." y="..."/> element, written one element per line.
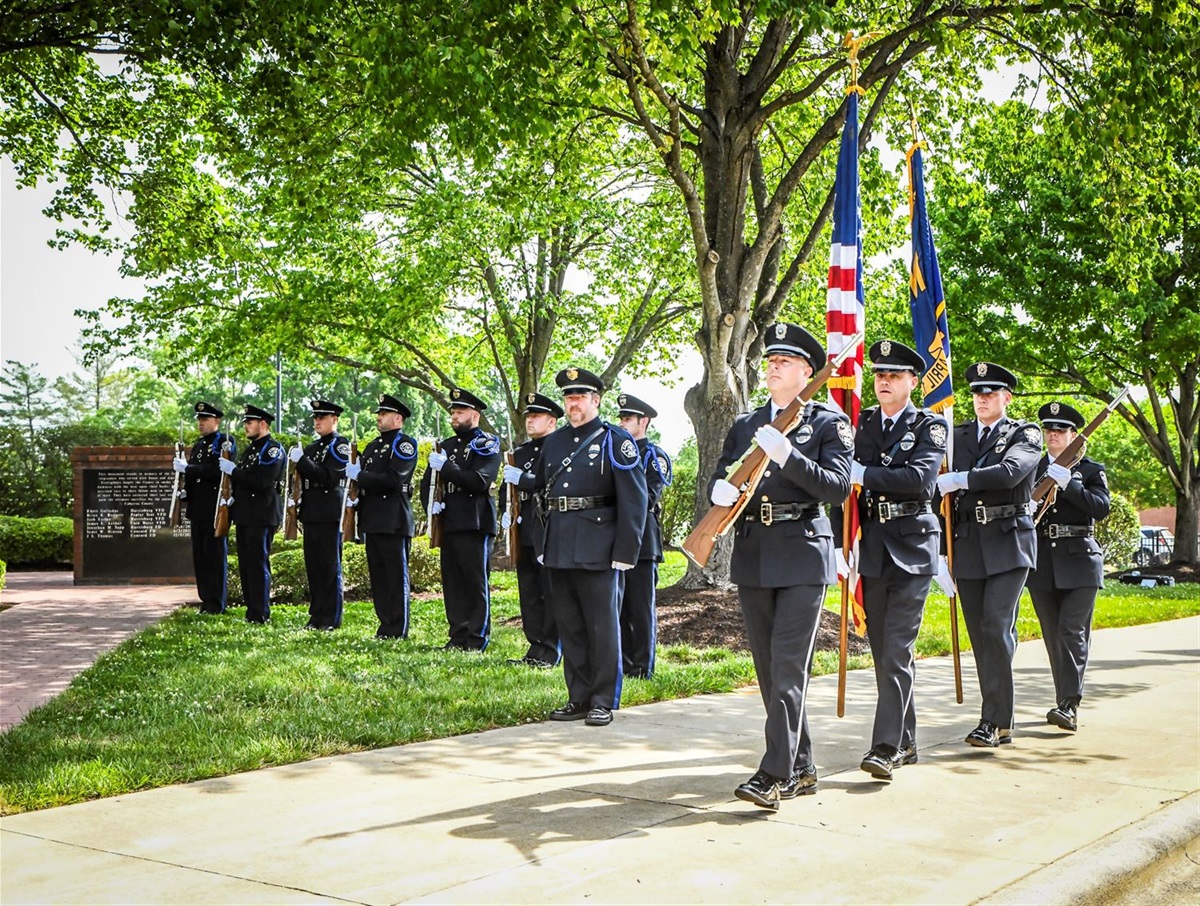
<point x="931" y="333"/>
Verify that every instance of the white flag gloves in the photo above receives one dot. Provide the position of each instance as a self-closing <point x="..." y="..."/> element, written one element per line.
<point x="944" y="580"/>
<point x="512" y="474"/>
<point x="774" y="444"/>
<point x="352" y="470"/>
<point x="436" y="507"/>
<point x="621" y="567"/>
<point x="948" y="482"/>
<point x="228" y="502"/>
<point x="723" y="493"/>
<point x="506" y="521"/>
<point x="437" y="460"/>
<point x="291" y="501"/>
<point x="843" y="568"/>
<point x="226" y="465"/>
<point x="179" y="464"/>
<point x="1060" y="474"/>
<point x="295" y="453"/>
<point x="856" y="472"/>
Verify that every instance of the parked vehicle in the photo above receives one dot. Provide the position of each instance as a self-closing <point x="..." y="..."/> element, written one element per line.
<point x="1157" y="545"/>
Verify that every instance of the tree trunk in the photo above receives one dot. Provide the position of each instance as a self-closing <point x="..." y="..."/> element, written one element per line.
<point x="1187" y="523"/>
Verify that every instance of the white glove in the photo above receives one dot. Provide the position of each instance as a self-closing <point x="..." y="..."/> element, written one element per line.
<point x="621" y="567"/>
<point x="724" y="493"/>
<point x="291" y="501"/>
<point x="179" y="464"/>
<point x="843" y="568"/>
<point x="437" y="507"/>
<point x="951" y="481"/>
<point x="542" y="559"/>
<point x="352" y="470"/>
<point x="1060" y="474"/>
<point x="774" y="444"/>
<point x="226" y="465"/>
<point x="944" y="580"/>
<point x="351" y="502"/>
<point x="512" y="474"/>
<point x="295" y="453"/>
<point x="228" y="502"/>
<point x="856" y="472"/>
<point x="436" y="461"/>
<point x="506" y="521"/>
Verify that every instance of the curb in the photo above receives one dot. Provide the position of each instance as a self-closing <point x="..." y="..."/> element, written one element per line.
<point x="1095" y="870"/>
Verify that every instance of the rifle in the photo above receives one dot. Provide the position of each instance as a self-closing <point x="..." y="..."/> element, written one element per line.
<point x="435" y="496"/>
<point x="1046" y="491"/>
<point x="747" y="472"/>
<point x="350" y="492"/>
<point x="291" y="520"/>
<point x="514" y="513"/>
<point x="221" y="516"/>
<point x="175" y="516"/>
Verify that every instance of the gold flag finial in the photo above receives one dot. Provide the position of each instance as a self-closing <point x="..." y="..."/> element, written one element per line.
<point x="853" y="45"/>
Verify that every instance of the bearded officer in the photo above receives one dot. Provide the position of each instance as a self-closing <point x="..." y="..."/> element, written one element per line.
<point x="636" y="587"/>
<point x="994" y="542"/>
<point x="202" y="485"/>
<point x="468" y="465"/>
<point x="384" y="473"/>
<point x="537" y="616"/>
<point x="898" y="450"/>
<point x="1070" y="564"/>
<point x="594" y="501"/>
<point x="783" y="553"/>
<point x="322" y="467"/>
<point x="257" y="509"/>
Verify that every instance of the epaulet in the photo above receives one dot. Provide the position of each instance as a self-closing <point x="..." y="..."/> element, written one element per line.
<point x="484" y="444"/>
<point x="866" y="413"/>
<point x="404" y="446"/>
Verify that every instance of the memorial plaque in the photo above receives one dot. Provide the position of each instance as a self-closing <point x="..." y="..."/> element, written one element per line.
<point x="122" y="509"/>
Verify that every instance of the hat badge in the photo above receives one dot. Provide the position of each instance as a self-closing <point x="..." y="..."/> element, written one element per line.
<point x="780" y="330"/>
<point x="199" y="407"/>
<point x="886" y="347"/>
<point x="1054" y="407"/>
<point x="572" y="373"/>
<point x="981" y="369"/>
<point x="315" y="403"/>
<point x="455" y="393"/>
<point x="622" y="399"/>
<point x="530" y="397"/>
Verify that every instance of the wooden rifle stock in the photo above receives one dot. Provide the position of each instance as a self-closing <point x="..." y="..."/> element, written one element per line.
<point x="746" y="474"/>
<point x="292" y="493"/>
<point x="175" y="516"/>
<point x="221" y="516"/>
<point x="435" y="496"/>
<point x="350" y="502"/>
<point x="514" y="513"/>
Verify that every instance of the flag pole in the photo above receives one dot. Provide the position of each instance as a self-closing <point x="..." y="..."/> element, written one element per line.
<point x="844" y="629"/>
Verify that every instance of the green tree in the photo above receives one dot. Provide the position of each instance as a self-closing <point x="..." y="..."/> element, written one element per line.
<point x="25" y="396"/>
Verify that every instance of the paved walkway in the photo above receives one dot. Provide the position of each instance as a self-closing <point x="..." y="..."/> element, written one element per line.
<point x="60" y="629"/>
<point x="642" y="811"/>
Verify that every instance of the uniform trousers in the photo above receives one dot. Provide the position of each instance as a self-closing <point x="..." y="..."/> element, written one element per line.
<point x="895" y="603"/>
<point x="254" y="567"/>
<point x="781" y="627"/>
<point x="323" y="564"/>
<point x="387" y="563"/>
<point x="639" y="618"/>
<point x="466" y="563"/>
<point x="1066" y="618"/>
<point x="210" y="559"/>
<point x="585" y="609"/>
<point x="537" y="616"/>
<point x="989" y="609"/>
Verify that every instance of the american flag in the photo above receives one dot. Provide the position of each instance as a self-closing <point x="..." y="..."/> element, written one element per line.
<point x="844" y="316"/>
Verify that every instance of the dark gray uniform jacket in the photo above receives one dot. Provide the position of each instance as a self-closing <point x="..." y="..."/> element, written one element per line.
<point x="257" y="482"/>
<point x="1075" y="562"/>
<point x="525" y="456"/>
<point x="202" y="480"/>
<point x="322" y="468"/>
<point x="657" y="465"/>
<point x="467" y="478"/>
<point x="385" y="484"/>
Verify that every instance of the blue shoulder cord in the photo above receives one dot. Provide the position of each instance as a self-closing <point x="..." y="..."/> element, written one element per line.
<point x="607" y="445"/>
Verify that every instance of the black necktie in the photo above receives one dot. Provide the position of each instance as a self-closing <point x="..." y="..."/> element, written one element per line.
<point x="887" y="426"/>
<point x="985" y="437"/>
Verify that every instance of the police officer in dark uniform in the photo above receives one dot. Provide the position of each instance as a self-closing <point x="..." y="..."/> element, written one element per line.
<point x="1070" y="564"/>
<point x="593" y="497"/>
<point x="898" y="451"/>
<point x="783" y="553"/>
<point x="384" y="473"/>
<point x="322" y="467"/>
<point x="994" y="542"/>
<point x="257" y="508"/>
<point x="468" y="463"/>
<point x="537" y="616"/>
<point x="202" y="484"/>
<point x="636" y="588"/>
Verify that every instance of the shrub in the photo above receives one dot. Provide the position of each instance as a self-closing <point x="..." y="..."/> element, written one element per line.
<point x="424" y="566"/>
<point x="36" y="542"/>
<point x="3" y="570"/>
<point x="679" y="500"/>
<point x="1120" y="534"/>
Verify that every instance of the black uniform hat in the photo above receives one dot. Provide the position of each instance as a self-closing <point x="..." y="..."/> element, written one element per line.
<point x="464" y="399"/>
<point x="255" y="412"/>
<point x="985" y="377"/>
<point x="537" y="402"/>
<point x="324" y="407"/>
<point x="578" y="380"/>
<point x="888" y="355"/>
<point x="208" y="409"/>
<point x="388" y="403"/>
<point x="791" y="339"/>
<point x="1061" y="416"/>
<point x="631" y="405"/>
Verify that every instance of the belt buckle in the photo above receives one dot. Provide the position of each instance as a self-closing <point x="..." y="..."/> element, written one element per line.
<point x="1052" y="531"/>
<point x="562" y="504"/>
<point x="981" y="515"/>
<point x="885" y="511"/>
<point x="765" y="515"/>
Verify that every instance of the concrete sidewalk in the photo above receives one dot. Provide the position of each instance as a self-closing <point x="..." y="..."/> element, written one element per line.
<point x="642" y="811"/>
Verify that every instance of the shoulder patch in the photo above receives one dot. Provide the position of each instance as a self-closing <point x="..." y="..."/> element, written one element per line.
<point x="937" y="434"/>
<point x="1033" y="436"/>
<point x="273" y="452"/>
<point x="406" y="449"/>
<point x="1104" y="478"/>
<point x="845" y="433"/>
<point x="343" y="450"/>
<point x="628" y="449"/>
<point x="485" y="444"/>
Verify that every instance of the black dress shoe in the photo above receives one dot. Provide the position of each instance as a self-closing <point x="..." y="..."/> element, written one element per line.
<point x="1005" y="737"/>
<point x="517" y="661"/>
<point x="803" y="782"/>
<point x="906" y="755"/>
<point x="539" y="665"/>
<point x="570" y="711"/>
<point x="986" y="735"/>
<point x="1064" y="716"/>
<point x="599" y="717"/>
<point x="762" y="789"/>
<point x="878" y="762"/>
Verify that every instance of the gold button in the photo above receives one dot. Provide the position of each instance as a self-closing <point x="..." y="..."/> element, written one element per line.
<point x="765" y="497"/>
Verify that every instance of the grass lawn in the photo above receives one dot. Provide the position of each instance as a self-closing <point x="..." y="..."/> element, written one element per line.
<point x="198" y="696"/>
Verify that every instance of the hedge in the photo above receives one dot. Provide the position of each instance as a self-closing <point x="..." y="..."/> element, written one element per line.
<point x="47" y="541"/>
<point x="3" y="570"/>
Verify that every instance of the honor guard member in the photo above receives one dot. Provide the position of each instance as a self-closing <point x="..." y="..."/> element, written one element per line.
<point x="202" y="485"/>
<point x="1070" y="564"/>
<point x="322" y="467"/>
<point x="636" y="587"/>
<point x="783" y="553"/>
<point x="994" y="543"/>
<point x="898" y="450"/>
<point x="384" y="473"/>
<point x="537" y="617"/>
<point x="257" y="509"/>
<point x="469" y="463"/>
<point x="593" y="498"/>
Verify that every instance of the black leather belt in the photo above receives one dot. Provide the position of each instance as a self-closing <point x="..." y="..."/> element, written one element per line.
<point x="1056" y="530"/>
<point x="887" y="510"/>
<point x="784" y="512"/>
<point x="985" y="514"/>
<point x="566" y="504"/>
